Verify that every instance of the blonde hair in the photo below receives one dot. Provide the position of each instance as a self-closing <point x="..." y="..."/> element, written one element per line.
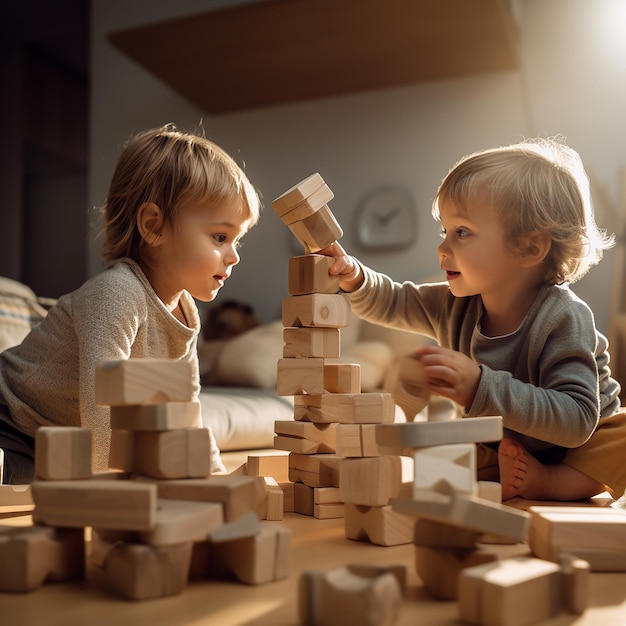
<point x="168" y="167"/>
<point x="538" y="185"/>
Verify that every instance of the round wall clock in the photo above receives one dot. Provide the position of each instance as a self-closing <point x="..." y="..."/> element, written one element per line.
<point x="386" y="219"/>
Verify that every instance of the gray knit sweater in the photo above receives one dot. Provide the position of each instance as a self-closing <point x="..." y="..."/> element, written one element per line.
<point x="49" y="379"/>
<point x="549" y="380"/>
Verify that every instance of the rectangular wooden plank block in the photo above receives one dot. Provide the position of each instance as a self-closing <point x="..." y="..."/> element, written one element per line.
<point x="345" y="408"/>
<point x="164" y="416"/>
<point x="237" y="494"/>
<point x="115" y="504"/>
<point x="596" y="534"/>
<point x="311" y="342"/>
<point x="318" y="309"/>
<point x="399" y="437"/>
<point x="143" y="381"/>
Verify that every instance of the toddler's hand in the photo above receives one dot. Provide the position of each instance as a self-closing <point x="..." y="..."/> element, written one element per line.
<point x="450" y="374"/>
<point x="345" y="266"/>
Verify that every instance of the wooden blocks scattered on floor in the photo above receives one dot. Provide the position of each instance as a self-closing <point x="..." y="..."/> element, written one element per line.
<point x="380" y="525"/>
<point x="145" y="523"/>
<point x="359" y="594"/>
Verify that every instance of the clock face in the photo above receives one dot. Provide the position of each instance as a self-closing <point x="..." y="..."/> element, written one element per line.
<point x="386" y="220"/>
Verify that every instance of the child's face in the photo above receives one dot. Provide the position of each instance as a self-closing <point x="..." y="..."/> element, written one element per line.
<point x="199" y="250"/>
<point x="474" y="253"/>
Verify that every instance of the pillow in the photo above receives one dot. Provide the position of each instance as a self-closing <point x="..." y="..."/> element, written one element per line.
<point x="250" y="359"/>
<point x="20" y="310"/>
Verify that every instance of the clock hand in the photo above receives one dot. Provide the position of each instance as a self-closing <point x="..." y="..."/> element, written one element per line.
<point x="385" y="218"/>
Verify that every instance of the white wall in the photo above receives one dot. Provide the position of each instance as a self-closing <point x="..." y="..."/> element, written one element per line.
<point x="570" y="84"/>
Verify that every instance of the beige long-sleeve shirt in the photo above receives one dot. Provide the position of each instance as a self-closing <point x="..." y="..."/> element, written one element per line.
<point x="549" y="380"/>
<point x="49" y="379"/>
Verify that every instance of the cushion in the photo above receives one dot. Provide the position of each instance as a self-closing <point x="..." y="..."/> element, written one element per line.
<point x="20" y="310"/>
<point x="250" y="359"/>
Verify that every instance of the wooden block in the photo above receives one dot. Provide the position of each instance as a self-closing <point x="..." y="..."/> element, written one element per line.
<point x="273" y="503"/>
<point x="33" y="555"/>
<point x="328" y="510"/>
<point x="370" y="481"/>
<point x="435" y="534"/>
<point x="311" y="342"/>
<point x="406" y="382"/>
<point x="62" y="453"/>
<point x="400" y="438"/>
<point x="305" y="437"/>
<point x="326" y="495"/>
<point x="345" y="408"/>
<point x="237" y="494"/>
<point x="303" y="499"/>
<point x="297" y="194"/>
<point x="259" y="559"/>
<point x="115" y="504"/>
<point x="181" y="453"/>
<point x="468" y="512"/>
<point x="288" y="496"/>
<point x="595" y="534"/>
<point x="446" y="469"/>
<point x="247" y="525"/>
<point x="356" y="440"/>
<point x="380" y="525"/>
<point x="143" y="381"/>
<point x="178" y="521"/>
<point x="274" y="465"/>
<point x="15" y="499"/>
<point x="315" y="470"/>
<point x="368" y="596"/>
<point x="308" y="273"/>
<point x="510" y="592"/>
<point x="574" y="583"/>
<point x="164" y="416"/>
<point x="324" y="310"/>
<point x="439" y="568"/>
<point x="143" y="572"/>
<point x="122" y="450"/>
<point x="298" y="376"/>
<point x="317" y="231"/>
<point x="342" y="378"/>
<point x="313" y="203"/>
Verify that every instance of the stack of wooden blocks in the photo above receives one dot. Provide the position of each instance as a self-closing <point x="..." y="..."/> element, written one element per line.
<point x="334" y="462"/>
<point x="160" y="520"/>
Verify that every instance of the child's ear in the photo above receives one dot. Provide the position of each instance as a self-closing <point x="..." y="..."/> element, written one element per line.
<point x="534" y="248"/>
<point x="150" y="223"/>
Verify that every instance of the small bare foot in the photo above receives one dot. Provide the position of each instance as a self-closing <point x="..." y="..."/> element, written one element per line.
<point x="521" y="474"/>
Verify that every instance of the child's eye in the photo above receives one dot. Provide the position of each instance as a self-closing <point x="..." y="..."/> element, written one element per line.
<point x="219" y="238"/>
<point x="461" y="233"/>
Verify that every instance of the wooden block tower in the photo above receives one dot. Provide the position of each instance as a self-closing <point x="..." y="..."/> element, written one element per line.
<point x="331" y="440"/>
<point x="159" y="519"/>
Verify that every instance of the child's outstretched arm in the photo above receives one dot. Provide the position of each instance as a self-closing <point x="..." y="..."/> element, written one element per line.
<point x="345" y="266"/>
<point x="450" y="374"/>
